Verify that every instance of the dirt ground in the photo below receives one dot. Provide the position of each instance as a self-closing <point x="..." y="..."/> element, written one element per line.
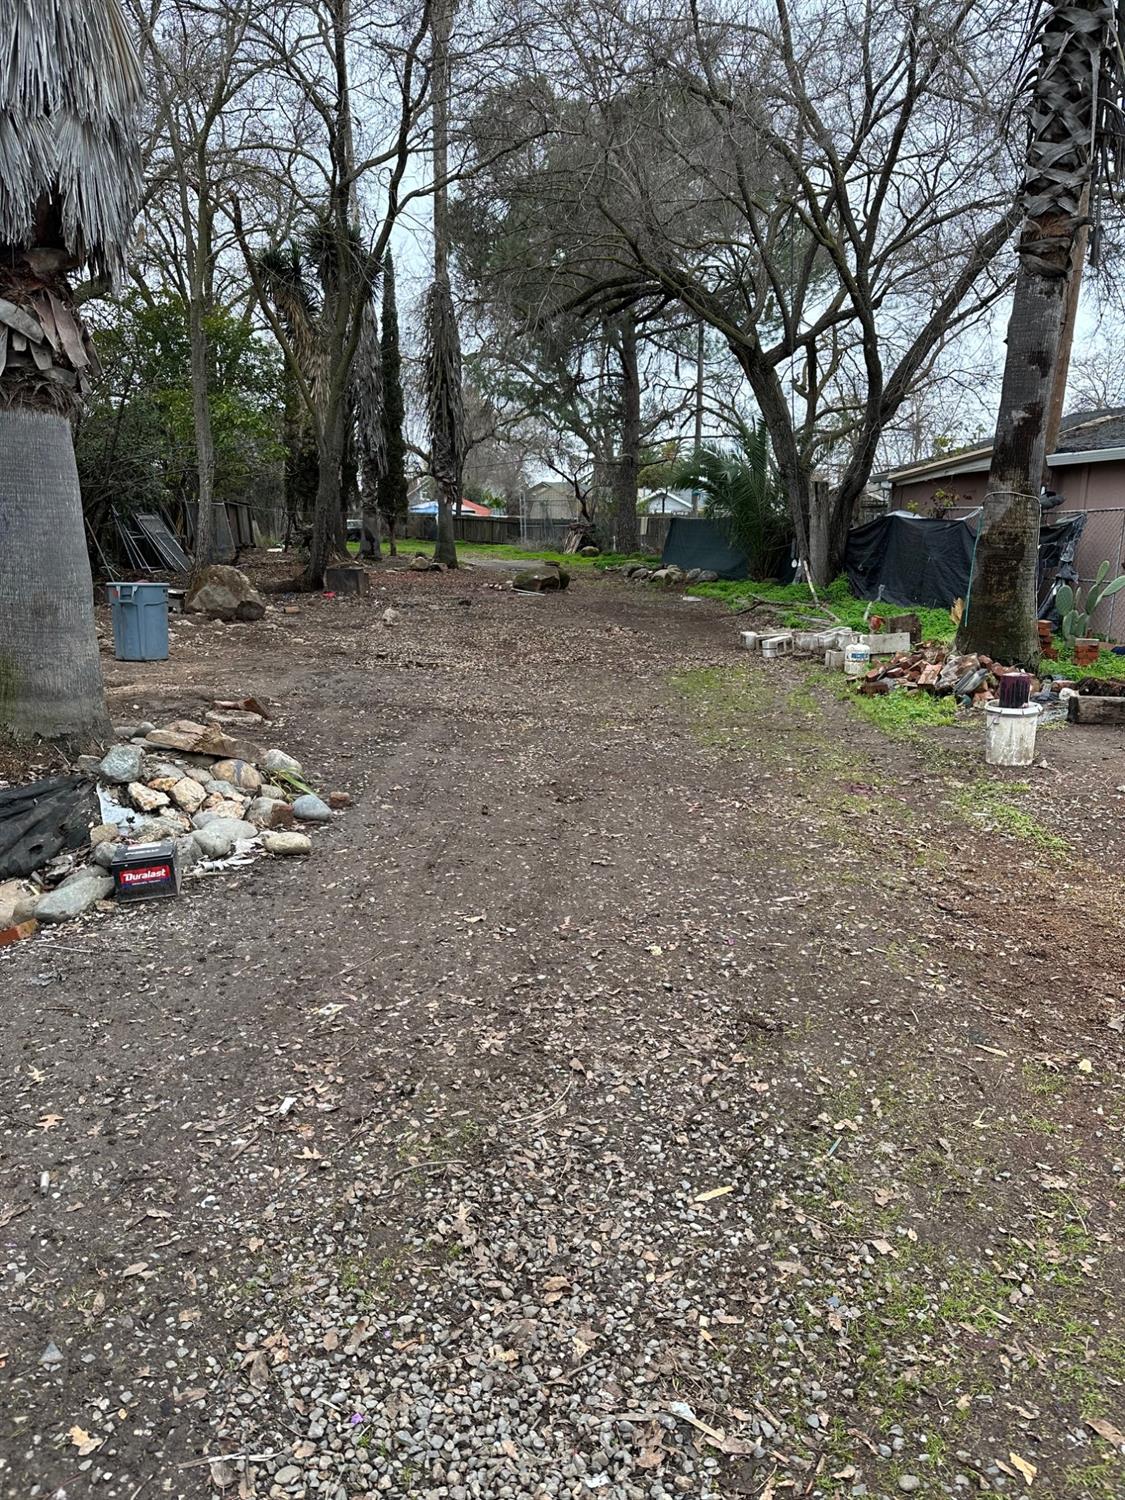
<point x="659" y="1083"/>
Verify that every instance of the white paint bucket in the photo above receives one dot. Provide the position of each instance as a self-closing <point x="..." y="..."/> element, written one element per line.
<point x="751" y="640"/>
<point x="1009" y="734"/>
<point x="857" y="659"/>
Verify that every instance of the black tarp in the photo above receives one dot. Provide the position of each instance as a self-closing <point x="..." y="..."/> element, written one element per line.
<point x="919" y="560"/>
<point x="695" y="542"/>
<point x="42" y="820"/>
<point x="913" y="559"/>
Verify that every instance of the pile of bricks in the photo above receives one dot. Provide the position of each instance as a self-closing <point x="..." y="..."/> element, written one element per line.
<point x="971" y="678"/>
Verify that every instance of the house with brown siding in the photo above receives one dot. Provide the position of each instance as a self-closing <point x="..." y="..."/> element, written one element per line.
<point x="1087" y="469"/>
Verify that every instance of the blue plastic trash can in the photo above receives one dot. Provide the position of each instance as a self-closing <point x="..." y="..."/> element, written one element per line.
<point x="140" y="621"/>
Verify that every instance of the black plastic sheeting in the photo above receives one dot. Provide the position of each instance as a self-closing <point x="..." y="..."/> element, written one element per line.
<point x="918" y="560"/>
<point x="695" y="542"/>
<point x="42" y="820"/>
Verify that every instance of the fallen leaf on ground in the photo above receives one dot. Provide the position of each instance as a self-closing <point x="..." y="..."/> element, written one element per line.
<point x="712" y="1193"/>
<point x="222" y="1474"/>
<point x="1105" y="1429"/>
<point x="49" y="1122"/>
<point x="356" y="1337"/>
<point x="83" y="1441"/>
<point x="260" y="1371"/>
<point x="1028" y="1470"/>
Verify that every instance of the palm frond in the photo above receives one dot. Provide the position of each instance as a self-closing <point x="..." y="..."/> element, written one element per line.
<point x="367" y="403"/>
<point x="741" y="488"/>
<point x="286" y="276"/>
<point x="1076" y="128"/>
<point x="70" y="165"/>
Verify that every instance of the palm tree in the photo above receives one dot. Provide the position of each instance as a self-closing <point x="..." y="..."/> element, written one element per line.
<point x="1075" y="147"/>
<point x="70" y="179"/>
<point x="367" y="401"/>
<point x="392" y="486"/>
<point x="299" y="281"/>
<point x="741" y="487"/>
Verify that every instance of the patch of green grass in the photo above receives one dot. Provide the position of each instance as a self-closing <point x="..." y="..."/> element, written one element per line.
<point x="903" y="714"/>
<point x="727" y="703"/>
<point x="1041" y="1080"/>
<point x="936" y="624"/>
<point x="1107" y="665"/>
<point x="990" y="804"/>
<point x="899" y="714"/>
<point x="466" y="551"/>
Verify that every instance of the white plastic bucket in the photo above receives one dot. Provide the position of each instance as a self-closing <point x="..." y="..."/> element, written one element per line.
<point x="1009" y="734"/>
<point x="857" y="659"/>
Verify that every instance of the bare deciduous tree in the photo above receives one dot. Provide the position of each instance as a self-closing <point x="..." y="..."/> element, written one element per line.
<point x="825" y="186"/>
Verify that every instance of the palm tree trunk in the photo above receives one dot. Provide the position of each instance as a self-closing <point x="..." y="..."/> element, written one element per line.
<point x="1001" y="608"/>
<point x="50" y="672"/>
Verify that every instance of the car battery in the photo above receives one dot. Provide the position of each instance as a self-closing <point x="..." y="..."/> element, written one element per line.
<point x="142" y="872"/>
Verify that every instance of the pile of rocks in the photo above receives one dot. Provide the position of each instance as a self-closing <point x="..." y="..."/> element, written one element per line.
<point x="211" y="794"/>
<point x="670" y="576"/>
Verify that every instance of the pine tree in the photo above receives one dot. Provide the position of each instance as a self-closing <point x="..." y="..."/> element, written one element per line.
<point x="392" y="483"/>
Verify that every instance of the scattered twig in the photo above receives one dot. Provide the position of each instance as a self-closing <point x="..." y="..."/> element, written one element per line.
<point x="226" y="1458"/>
<point x="543" y="1114"/>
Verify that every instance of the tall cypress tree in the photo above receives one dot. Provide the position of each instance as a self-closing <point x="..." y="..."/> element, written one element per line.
<point x="392" y="484"/>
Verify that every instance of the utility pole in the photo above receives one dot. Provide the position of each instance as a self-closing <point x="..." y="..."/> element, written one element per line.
<point x="698" y="412"/>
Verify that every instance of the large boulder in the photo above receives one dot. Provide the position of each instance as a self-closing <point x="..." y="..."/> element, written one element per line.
<point x="122" y="764"/>
<point x="286" y="843"/>
<point x="277" y="760"/>
<point x="310" y="809"/>
<point x="541" y="579"/>
<point x="237" y="773"/>
<point x="76" y="893"/>
<point x="218" y="839"/>
<point x="224" y="593"/>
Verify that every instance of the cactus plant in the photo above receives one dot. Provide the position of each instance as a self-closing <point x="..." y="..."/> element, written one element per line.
<point x="1076" y="611"/>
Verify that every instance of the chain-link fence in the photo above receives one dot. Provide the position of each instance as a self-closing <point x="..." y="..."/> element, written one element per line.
<point x="1102" y="540"/>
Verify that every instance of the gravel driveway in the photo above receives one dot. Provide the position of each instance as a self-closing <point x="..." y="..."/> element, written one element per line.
<point x="657" y="1084"/>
